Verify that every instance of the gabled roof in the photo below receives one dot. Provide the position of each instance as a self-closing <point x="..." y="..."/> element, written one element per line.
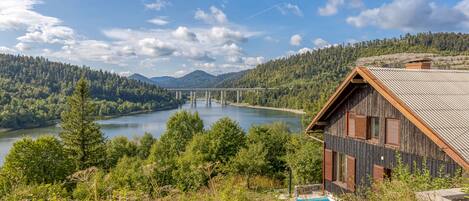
<point x="436" y="101"/>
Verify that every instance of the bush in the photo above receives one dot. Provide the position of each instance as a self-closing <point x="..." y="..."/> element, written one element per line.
<point x="38" y="192"/>
<point x="144" y="145"/>
<point x="274" y="137"/>
<point x="117" y="148"/>
<point x="37" y="161"/>
<point x="305" y="160"/>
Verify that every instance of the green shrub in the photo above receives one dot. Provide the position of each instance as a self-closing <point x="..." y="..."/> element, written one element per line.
<point x="37" y="161"/>
<point x="117" y="148"/>
<point x="40" y="192"/>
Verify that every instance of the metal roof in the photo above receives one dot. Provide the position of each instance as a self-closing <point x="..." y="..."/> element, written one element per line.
<point x="439" y="97"/>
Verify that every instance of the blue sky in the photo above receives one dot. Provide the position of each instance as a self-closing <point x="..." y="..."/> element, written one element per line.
<point x="174" y="37"/>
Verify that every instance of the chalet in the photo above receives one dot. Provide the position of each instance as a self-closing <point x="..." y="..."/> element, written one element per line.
<point x="376" y="114"/>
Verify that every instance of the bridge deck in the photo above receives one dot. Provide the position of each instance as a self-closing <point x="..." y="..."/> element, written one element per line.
<point x="218" y="89"/>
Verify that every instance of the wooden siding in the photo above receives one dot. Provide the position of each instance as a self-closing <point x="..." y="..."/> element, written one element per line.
<point x="366" y="155"/>
<point x="414" y="148"/>
<point x="367" y="101"/>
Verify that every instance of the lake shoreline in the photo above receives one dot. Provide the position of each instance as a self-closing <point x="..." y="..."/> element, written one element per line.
<point x="57" y="121"/>
<point x="295" y="111"/>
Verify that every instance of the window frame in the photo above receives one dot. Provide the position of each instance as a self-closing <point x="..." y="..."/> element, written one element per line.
<point x="341" y="180"/>
<point x="370" y="133"/>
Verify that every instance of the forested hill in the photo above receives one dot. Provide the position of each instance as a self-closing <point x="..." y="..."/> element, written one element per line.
<point x="33" y="91"/>
<point x="306" y="80"/>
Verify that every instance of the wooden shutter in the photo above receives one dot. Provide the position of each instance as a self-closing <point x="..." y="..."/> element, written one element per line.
<point x="378" y="173"/>
<point x="360" y="126"/>
<point x="328" y="164"/>
<point x="392" y="131"/>
<point x="350" y="124"/>
<point x="351" y="173"/>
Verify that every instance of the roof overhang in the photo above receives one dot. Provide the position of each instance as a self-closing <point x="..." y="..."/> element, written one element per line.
<point x="364" y="74"/>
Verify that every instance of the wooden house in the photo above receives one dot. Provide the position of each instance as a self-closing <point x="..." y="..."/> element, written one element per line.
<point x="377" y="114"/>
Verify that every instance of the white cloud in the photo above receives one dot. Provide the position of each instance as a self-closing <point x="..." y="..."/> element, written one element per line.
<point x="296" y="40"/>
<point x="180" y="73"/>
<point x="320" y="43"/>
<point x="332" y="6"/>
<point x="18" y="15"/>
<point x="125" y="73"/>
<point x="416" y="15"/>
<point x="226" y="35"/>
<point x="159" y="21"/>
<point x="304" y="50"/>
<point x="7" y="50"/>
<point x="155" y="47"/>
<point x="216" y="16"/>
<point x="157" y="5"/>
<point x="289" y="8"/>
<point x="22" y="47"/>
<point x="184" y="34"/>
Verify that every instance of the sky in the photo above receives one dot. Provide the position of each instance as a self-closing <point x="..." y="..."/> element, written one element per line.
<point x="175" y="37"/>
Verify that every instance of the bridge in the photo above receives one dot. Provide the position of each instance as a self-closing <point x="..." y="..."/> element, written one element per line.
<point x="208" y="93"/>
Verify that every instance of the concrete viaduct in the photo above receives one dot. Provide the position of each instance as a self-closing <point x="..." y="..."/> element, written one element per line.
<point x="208" y="93"/>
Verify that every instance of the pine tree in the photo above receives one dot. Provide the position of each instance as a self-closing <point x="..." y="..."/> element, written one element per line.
<point x="82" y="137"/>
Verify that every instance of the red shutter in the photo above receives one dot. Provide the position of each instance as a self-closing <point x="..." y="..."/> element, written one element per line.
<point x="351" y="173"/>
<point x="328" y="164"/>
<point x="378" y="173"/>
<point x="350" y="124"/>
<point x="360" y="127"/>
<point x="392" y="131"/>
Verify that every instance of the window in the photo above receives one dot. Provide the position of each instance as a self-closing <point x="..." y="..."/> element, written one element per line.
<point x="392" y="132"/>
<point x="356" y="125"/>
<point x="374" y="128"/>
<point x="340" y="167"/>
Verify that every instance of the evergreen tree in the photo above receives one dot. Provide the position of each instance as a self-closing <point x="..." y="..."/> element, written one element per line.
<point x="82" y="137"/>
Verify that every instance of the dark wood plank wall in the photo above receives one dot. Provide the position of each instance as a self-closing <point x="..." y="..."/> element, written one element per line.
<point x="367" y="101"/>
<point x="366" y="155"/>
<point x="415" y="147"/>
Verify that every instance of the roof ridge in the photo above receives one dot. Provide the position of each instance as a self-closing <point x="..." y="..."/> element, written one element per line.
<point x="418" y="70"/>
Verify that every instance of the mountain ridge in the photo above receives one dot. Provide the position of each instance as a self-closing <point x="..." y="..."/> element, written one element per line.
<point x="196" y="79"/>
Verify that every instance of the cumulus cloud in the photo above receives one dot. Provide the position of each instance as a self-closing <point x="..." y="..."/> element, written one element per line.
<point x="296" y="40"/>
<point x="332" y="6"/>
<point x="320" y="43"/>
<point x="155" y="47"/>
<point x="157" y="5"/>
<point x="19" y="14"/>
<point x="22" y="47"/>
<point x="304" y="50"/>
<point x="290" y="8"/>
<point x="216" y="16"/>
<point x="161" y="20"/>
<point x="184" y="34"/>
<point x="411" y="16"/>
<point x="7" y="50"/>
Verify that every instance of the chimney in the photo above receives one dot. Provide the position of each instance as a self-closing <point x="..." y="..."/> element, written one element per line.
<point x="421" y="63"/>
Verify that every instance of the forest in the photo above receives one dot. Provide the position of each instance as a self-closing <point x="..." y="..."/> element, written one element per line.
<point x="305" y="81"/>
<point x="187" y="162"/>
<point x="33" y="91"/>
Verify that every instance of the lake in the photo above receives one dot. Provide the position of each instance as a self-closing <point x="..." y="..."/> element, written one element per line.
<point x="155" y="122"/>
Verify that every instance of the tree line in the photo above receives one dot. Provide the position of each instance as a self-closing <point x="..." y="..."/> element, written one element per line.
<point x="305" y="81"/>
<point x="33" y="91"/>
<point x="186" y="162"/>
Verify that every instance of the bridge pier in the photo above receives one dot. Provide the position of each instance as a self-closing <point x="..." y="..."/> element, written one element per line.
<point x="238" y="96"/>
<point x="193" y="99"/>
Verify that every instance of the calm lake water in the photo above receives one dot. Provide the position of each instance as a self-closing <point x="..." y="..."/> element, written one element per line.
<point x="155" y="122"/>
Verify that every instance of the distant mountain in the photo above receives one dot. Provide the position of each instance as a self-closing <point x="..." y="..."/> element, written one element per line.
<point x="198" y="79"/>
<point x="141" y="78"/>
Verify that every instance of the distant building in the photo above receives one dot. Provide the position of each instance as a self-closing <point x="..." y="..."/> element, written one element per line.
<point x="376" y="113"/>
